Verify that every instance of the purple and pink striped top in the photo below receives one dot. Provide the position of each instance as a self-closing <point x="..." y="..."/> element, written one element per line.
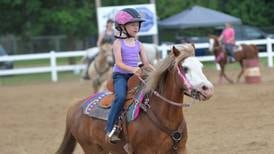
<point x="130" y="56"/>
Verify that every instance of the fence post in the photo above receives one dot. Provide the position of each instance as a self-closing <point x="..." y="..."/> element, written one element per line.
<point x="164" y="49"/>
<point x="53" y="65"/>
<point x="269" y="52"/>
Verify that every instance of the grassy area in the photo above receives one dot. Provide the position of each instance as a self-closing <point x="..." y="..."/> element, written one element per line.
<point x="36" y="78"/>
<point x="39" y="77"/>
<point x="62" y="76"/>
<point x="42" y="62"/>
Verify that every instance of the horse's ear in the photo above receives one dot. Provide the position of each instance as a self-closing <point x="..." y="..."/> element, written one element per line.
<point x="175" y="51"/>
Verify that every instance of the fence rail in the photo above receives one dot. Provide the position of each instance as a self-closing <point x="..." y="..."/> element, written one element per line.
<point x="53" y="68"/>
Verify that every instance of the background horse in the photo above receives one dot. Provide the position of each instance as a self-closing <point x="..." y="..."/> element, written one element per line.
<point x="241" y="53"/>
<point x="152" y="52"/>
<point x="161" y="127"/>
<point x="100" y="68"/>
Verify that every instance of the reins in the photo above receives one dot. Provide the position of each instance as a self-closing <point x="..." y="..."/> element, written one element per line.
<point x="187" y="84"/>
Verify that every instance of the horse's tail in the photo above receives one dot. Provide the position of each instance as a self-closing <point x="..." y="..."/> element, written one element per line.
<point x="69" y="142"/>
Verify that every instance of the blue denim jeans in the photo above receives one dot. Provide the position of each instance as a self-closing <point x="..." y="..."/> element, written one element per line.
<point x="120" y="90"/>
<point x="229" y="49"/>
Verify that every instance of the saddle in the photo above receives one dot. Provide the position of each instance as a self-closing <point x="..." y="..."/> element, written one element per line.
<point x="132" y="86"/>
<point x="230" y="57"/>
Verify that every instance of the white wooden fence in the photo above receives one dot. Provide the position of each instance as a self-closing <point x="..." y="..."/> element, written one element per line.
<point x="53" y="68"/>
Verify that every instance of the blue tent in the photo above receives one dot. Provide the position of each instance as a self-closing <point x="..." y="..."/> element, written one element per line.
<point x="198" y="16"/>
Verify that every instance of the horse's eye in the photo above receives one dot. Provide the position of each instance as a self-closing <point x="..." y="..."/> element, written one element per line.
<point x="185" y="69"/>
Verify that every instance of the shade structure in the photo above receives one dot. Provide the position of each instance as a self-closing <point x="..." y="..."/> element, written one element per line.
<point x="198" y="16"/>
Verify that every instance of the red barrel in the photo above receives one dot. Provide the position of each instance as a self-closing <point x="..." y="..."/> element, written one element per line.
<point x="252" y="71"/>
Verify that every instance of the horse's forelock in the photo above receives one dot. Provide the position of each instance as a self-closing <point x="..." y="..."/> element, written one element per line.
<point x="186" y="50"/>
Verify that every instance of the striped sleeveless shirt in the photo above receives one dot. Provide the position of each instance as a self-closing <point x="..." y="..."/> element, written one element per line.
<point x="130" y="56"/>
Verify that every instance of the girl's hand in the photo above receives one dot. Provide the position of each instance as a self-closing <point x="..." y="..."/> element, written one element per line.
<point x="137" y="71"/>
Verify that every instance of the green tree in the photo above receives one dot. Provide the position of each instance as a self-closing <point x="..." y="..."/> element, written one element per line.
<point x="74" y="17"/>
<point x="256" y="12"/>
<point x="17" y="16"/>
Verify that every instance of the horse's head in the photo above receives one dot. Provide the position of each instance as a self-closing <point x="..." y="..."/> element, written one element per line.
<point x="180" y="71"/>
<point x="106" y="52"/>
<point x="189" y="70"/>
<point x="213" y="43"/>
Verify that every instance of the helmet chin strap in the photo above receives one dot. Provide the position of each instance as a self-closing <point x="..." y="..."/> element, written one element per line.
<point x="126" y="33"/>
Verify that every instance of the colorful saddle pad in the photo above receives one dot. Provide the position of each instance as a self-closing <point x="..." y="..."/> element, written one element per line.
<point x="95" y="107"/>
<point x="92" y="108"/>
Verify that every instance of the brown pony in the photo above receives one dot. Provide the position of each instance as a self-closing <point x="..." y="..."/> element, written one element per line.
<point x="160" y="127"/>
<point x="100" y="68"/>
<point x="241" y="53"/>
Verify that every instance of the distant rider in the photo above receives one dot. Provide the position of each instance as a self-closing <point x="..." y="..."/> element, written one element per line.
<point x="228" y="39"/>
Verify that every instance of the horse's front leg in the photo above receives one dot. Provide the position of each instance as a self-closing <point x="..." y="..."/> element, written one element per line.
<point x="220" y="78"/>
<point x="224" y="75"/>
<point x="241" y="72"/>
<point x="221" y="74"/>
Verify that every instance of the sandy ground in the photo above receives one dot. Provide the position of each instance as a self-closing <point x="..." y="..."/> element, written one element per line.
<point x="239" y="119"/>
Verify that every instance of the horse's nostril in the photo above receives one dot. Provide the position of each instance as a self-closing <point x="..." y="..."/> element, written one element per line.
<point x="204" y="87"/>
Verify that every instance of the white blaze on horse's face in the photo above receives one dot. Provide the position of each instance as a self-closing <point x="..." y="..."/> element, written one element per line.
<point x="211" y="44"/>
<point x="195" y="76"/>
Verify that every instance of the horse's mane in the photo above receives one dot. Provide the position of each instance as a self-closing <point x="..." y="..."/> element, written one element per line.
<point x="156" y="78"/>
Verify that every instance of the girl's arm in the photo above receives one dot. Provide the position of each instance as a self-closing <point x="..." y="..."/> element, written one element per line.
<point x="118" y="59"/>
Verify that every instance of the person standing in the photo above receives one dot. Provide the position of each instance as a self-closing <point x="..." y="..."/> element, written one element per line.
<point x="107" y="36"/>
<point x="228" y="38"/>
<point x="127" y="51"/>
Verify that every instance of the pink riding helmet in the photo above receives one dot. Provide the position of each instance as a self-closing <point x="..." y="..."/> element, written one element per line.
<point x="125" y="16"/>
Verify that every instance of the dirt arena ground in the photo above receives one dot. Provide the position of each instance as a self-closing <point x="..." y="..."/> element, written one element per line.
<point x="239" y="119"/>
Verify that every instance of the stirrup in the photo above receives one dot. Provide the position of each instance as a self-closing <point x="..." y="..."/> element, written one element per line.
<point x="113" y="136"/>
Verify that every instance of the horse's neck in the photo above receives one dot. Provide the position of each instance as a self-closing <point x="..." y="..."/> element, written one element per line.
<point x="170" y="115"/>
<point x="101" y="59"/>
<point x="218" y="48"/>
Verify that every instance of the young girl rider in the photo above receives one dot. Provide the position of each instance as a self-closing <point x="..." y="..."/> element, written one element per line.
<point x="127" y="51"/>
